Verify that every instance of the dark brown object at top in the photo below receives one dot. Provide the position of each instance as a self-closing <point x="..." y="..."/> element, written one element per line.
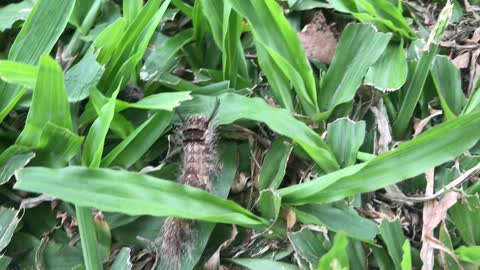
<point x="318" y="39"/>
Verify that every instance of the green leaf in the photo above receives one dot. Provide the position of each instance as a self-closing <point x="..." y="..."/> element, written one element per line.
<point x="336" y="258"/>
<point x="56" y="147"/>
<point x="93" y="148"/>
<point x="390" y="71"/>
<point x="415" y="86"/>
<point x="162" y="101"/>
<point x="88" y="238"/>
<point x="381" y="12"/>
<point x="131" y="46"/>
<point x="345" y="138"/>
<point x="473" y="104"/>
<point x="269" y="203"/>
<point x="392" y="235"/>
<point x="280" y="53"/>
<point x="279" y="120"/>
<point x="153" y="69"/>
<point x="469" y="254"/>
<point x="123" y="260"/>
<point x="466" y="217"/>
<point x="131" y="9"/>
<point x="37" y="37"/>
<point x="14" y="12"/>
<point x="309" y="246"/>
<point x="264" y="264"/>
<point x="408" y="160"/>
<point x="4" y="262"/>
<point x="13" y="159"/>
<point x="337" y="218"/>
<point x="359" y="48"/>
<point x="139" y="141"/>
<point x="18" y="73"/>
<point x="407" y="257"/>
<point x="49" y="103"/>
<point x="132" y="193"/>
<point x="83" y="76"/>
<point x="9" y="219"/>
<point x="448" y="84"/>
<point x="275" y="164"/>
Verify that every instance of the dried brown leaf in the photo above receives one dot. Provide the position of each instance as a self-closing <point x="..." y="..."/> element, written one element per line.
<point x="318" y="39"/>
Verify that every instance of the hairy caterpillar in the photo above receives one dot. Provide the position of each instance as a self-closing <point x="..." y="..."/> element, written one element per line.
<point x="198" y="165"/>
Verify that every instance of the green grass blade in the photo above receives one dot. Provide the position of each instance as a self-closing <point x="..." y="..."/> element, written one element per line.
<point x="359" y="48"/>
<point x="123" y="261"/>
<point x="139" y="141"/>
<point x="337" y="255"/>
<point x="345" y="138"/>
<point x="9" y="219"/>
<point x="448" y="85"/>
<point x="273" y="168"/>
<point x="264" y="264"/>
<point x="413" y="92"/>
<point x="131" y="9"/>
<point x="88" y="238"/>
<point x="338" y="218"/>
<point x="390" y="71"/>
<point x="39" y="34"/>
<point x="273" y="33"/>
<point x="18" y="73"/>
<point x="392" y="235"/>
<point x="133" y="194"/>
<point x="407" y="256"/>
<point x="436" y="146"/>
<point x="14" y="12"/>
<point x="49" y="103"/>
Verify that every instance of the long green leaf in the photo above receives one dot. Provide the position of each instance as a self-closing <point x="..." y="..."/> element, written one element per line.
<point x="133" y="194"/>
<point x="49" y="103"/>
<point x="338" y="219"/>
<point x="436" y="146"/>
<point x="38" y="36"/>
<point x="264" y="264"/>
<point x="359" y="48"/>
<point x="337" y="255"/>
<point x="18" y="73"/>
<point x="391" y="69"/>
<point x="448" y="84"/>
<point x="9" y="219"/>
<point x="281" y="55"/>
<point x="139" y="141"/>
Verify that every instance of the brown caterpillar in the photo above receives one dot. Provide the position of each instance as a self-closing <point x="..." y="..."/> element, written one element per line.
<point x="198" y="165"/>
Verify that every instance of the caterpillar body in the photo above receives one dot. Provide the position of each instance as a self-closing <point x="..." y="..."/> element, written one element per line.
<point x="197" y="137"/>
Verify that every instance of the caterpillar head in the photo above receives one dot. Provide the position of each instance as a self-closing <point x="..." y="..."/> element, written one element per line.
<point x="195" y="128"/>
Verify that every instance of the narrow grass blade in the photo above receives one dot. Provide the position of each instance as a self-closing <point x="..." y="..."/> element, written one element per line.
<point x="49" y="103"/>
<point x="39" y="34"/>
<point x="345" y="138"/>
<point x="390" y="71"/>
<point x="9" y="219"/>
<point x="448" y="84"/>
<point x="88" y="238"/>
<point x="338" y="219"/>
<point x="18" y="73"/>
<point x="289" y="63"/>
<point x="133" y="194"/>
<point x="436" y="146"/>
<point x="358" y="49"/>
<point x="275" y="164"/>
<point x="264" y="264"/>
<point x="337" y="255"/>
<point x="392" y="235"/>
